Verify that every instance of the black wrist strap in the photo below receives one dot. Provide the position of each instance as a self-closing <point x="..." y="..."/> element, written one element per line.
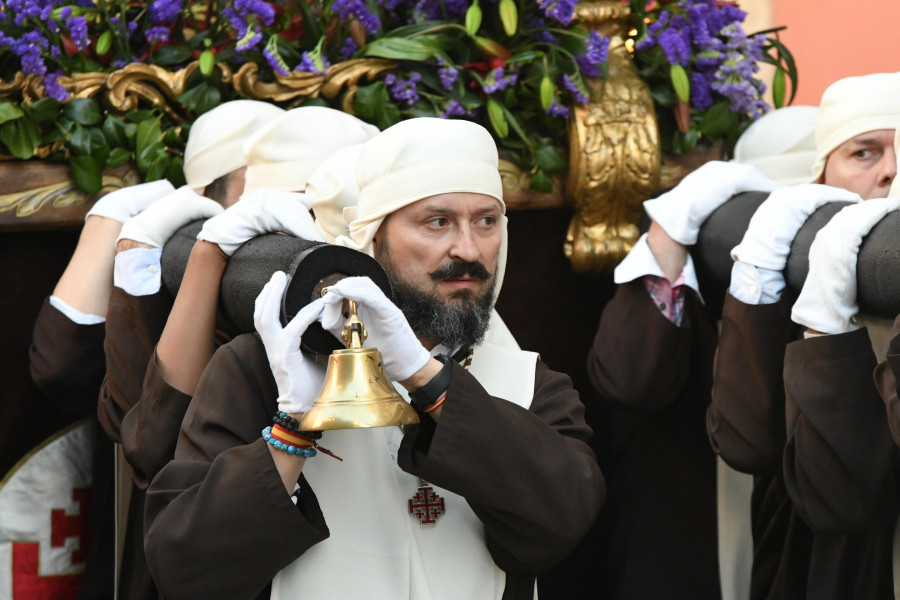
<point x="429" y="393"/>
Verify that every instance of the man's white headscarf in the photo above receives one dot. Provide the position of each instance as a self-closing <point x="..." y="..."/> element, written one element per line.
<point x="332" y="189"/>
<point x="781" y="144"/>
<point x="288" y="150"/>
<point x="214" y="144"/>
<point x="852" y="106"/>
<point x="416" y="159"/>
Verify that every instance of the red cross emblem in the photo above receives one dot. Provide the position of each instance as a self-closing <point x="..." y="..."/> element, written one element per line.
<point x="426" y="506"/>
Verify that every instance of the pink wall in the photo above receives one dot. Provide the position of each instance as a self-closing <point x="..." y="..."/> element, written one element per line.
<point x="831" y="39"/>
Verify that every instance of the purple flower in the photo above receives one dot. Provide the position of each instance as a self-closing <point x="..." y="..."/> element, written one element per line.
<point x="497" y="80"/>
<point x="262" y="11"/>
<point x="357" y="9"/>
<point x="405" y="90"/>
<point x="447" y="74"/>
<point x="454" y="109"/>
<point x="28" y="48"/>
<point x="53" y="88"/>
<point x="314" y="61"/>
<point x="573" y="89"/>
<point x="556" y="110"/>
<point x="349" y="48"/>
<point x="701" y="96"/>
<point x="157" y="34"/>
<point x="596" y="54"/>
<point x="164" y="12"/>
<point x="427" y="10"/>
<point x="275" y="61"/>
<point x="456" y="8"/>
<point x="560" y="10"/>
<point x="78" y="28"/>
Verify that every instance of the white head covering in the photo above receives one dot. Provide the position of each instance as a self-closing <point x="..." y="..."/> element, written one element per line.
<point x="852" y="106"/>
<point x="416" y="159"/>
<point x="332" y="188"/>
<point x="288" y="150"/>
<point x="781" y="144"/>
<point x="214" y="144"/>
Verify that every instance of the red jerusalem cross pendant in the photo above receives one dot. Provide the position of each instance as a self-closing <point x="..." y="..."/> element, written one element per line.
<point x="426" y="505"/>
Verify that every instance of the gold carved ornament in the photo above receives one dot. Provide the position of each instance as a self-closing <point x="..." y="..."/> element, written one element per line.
<point x="137" y="85"/>
<point x="614" y="153"/>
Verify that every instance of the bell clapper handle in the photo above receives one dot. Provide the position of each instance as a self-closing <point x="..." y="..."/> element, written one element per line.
<point x="354" y="333"/>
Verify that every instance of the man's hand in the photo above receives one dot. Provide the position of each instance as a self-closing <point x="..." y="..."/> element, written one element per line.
<point x="767" y="241"/>
<point x="682" y="210"/>
<point x="298" y="377"/>
<point x="265" y="211"/>
<point x="827" y="302"/>
<point x="387" y="328"/>
<point x="159" y="221"/>
<point x="127" y="202"/>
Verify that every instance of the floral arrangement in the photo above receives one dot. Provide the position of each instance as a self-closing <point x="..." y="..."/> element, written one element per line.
<point x="515" y="66"/>
<point x="702" y="69"/>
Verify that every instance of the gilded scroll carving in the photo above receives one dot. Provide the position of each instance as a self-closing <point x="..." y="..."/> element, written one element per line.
<point x="614" y="152"/>
<point x="59" y="194"/>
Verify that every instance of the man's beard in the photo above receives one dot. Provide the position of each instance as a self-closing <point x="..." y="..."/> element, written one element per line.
<point x="459" y="322"/>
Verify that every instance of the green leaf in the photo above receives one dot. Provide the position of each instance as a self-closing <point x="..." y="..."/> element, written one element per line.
<point x="175" y="171"/>
<point x="10" y="111"/>
<point x="398" y="49"/>
<point x="148" y="132"/>
<point x="157" y="168"/>
<point x="172" y="55"/>
<point x="114" y="130"/>
<point x="717" y="119"/>
<point x="21" y="137"/>
<point x="87" y="173"/>
<point x="389" y="116"/>
<point x="369" y="100"/>
<point x="550" y="159"/>
<point x="541" y="183"/>
<point x="80" y="142"/>
<point x="201" y="98"/>
<point x="44" y="110"/>
<point x="497" y="118"/>
<point x="149" y="155"/>
<point x="84" y="111"/>
<point x="118" y="157"/>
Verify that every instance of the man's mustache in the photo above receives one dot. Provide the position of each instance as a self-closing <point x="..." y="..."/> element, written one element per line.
<point x="459" y="268"/>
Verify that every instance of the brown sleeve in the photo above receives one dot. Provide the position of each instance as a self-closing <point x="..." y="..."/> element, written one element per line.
<point x="219" y="522"/>
<point x="133" y="326"/>
<point x="887" y="373"/>
<point x="745" y="420"/>
<point x="529" y="475"/>
<point x="839" y="458"/>
<point x="66" y="361"/>
<point x="150" y="429"/>
<point x="639" y="357"/>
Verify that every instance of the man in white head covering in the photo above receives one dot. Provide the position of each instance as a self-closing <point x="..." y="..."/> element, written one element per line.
<point x="781" y="144"/>
<point x="495" y="484"/>
<point x="761" y="376"/>
<point x="855" y="134"/>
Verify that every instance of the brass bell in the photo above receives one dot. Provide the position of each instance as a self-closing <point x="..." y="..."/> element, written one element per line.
<point x="357" y="392"/>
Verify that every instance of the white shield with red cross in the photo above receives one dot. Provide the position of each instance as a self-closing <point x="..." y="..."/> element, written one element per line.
<point x="44" y="515"/>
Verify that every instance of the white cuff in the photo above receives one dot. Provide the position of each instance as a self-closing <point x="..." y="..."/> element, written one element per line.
<point x="640" y="261"/>
<point x="755" y="285"/>
<point x="75" y="315"/>
<point x="138" y="271"/>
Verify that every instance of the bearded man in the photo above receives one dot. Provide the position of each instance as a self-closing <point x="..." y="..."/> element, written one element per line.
<point x="502" y="443"/>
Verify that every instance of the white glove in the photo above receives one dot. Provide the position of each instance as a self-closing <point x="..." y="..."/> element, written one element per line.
<point x="388" y="331"/>
<point x="767" y="241"/>
<point x="159" y="221"/>
<point x="298" y="377"/>
<point x="827" y="301"/>
<point x="265" y="211"/>
<point x="126" y="202"/>
<point x="682" y="210"/>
